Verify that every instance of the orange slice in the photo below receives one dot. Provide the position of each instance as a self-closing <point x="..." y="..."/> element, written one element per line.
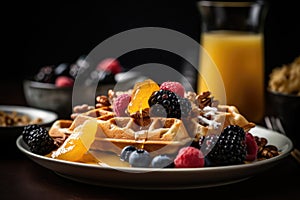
<point x="140" y="95"/>
<point x="78" y="143"/>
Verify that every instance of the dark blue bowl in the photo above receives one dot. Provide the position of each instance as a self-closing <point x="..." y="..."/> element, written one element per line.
<point x="287" y="109"/>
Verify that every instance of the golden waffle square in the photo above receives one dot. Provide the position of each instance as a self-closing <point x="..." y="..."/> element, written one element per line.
<point x="212" y="120"/>
<point x="161" y="135"/>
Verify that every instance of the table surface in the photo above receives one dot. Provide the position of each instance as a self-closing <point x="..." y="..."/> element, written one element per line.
<point x="21" y="178"/>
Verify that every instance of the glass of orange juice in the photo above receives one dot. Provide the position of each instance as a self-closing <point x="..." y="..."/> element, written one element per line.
<point x="233" y="40"/>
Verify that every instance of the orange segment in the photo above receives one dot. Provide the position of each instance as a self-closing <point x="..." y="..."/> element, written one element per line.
<point x="78" y="143"/>
<point x="140" y="95"/>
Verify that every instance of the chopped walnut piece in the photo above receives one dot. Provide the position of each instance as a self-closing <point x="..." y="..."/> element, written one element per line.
<point x="142" y="119"/>
<point x="265" y="150"/>
<point x="102" y="101"/>
<point x="204" y="99"/>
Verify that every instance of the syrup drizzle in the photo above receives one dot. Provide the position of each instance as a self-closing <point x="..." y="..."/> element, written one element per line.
<point x="141" y="135"/>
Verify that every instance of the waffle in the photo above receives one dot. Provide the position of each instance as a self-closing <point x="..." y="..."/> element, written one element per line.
<point x="212" y="120"/>
<point x="157" y="134"/>
<point x="160" y="135"/>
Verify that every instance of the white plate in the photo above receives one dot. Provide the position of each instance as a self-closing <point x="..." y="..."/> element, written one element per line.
<point x="168" y="178"/>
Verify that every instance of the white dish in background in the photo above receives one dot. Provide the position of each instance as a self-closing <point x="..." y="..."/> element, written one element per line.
<point x="12" y="132"/>
<point x="47" y="116"/>
<point x="168" y="178"/>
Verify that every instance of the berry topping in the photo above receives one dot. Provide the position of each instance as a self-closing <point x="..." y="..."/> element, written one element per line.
<point x="173" y="86"/>
<point x="252" y="147"/>
<point x="126" y="151"/>
<point x="38" y="139"/>
<point x="64" y="81"/>
<point x="110" y="65"/>
<point x="120" y="104"/>
<point x="230" y="147"/>
<point x="46" y="74"/>
<point x="189" y="157"/>
<point x="139" y="158"/>
<point x="161" y="161"/>
<point x="164" y="103"/>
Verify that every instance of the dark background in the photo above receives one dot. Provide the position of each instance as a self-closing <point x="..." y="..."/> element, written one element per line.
<point x="49" y="32"/>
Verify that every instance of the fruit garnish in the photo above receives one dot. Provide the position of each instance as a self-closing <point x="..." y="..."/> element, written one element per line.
<point x="64" y="81"/>
<point x="252" y="147"/>
<point x="173" y="86"/>
<point x="221" y="152"/>
<point x="110" y="65"/>
<point x="120" y="104"/>
<point x="189" y="157"/>
<point x="140" y="95"/>
<point x="139" y="158"/>
<point x="38" y="139"/>
<point x="78" y="143"/>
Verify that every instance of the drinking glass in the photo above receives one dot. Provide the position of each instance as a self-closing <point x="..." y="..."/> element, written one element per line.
<point x="232" y="37"/>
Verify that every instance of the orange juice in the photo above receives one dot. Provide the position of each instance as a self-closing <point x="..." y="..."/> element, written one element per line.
<point x="238" y="58"/>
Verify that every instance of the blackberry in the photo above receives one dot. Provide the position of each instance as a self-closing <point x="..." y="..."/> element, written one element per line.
<point x="164" y="103"/>
<point x="46" y="74"/>
<point x="185" y="107"/>
<point x="26" y="134"/>
<point x="38" y="139"/>
<point x="229" y="148"/>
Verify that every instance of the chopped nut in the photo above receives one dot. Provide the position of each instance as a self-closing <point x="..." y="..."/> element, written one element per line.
<point x="204" y="99"/>
<point x="16" y="119"/>
<point x="269" y="151"/>
<point x="142" y="119"/>
<point x="102" y="101"/>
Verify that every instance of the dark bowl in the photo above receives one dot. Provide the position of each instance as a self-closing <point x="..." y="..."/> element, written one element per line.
<point x="286" y="108"/>
<point x="47" y="96"/>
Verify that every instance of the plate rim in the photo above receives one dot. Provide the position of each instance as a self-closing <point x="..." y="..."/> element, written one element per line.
<point x="285" y="153"/>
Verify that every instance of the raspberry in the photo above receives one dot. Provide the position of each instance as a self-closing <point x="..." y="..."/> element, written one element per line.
<point x="189" y="157"/>
<point x="173" y="86"/>
<point x="110" y="65"/>
<point x="252" y="147"/>
<point x="120" y="104"/>
<point x="64" y="81"/>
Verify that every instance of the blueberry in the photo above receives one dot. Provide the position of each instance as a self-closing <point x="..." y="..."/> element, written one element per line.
<point x="126" y="151"/>
<point x="161" y="161"/>
<point x="139" y="158"/>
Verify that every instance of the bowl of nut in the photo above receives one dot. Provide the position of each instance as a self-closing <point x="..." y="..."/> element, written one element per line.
<point x="283" y="100"/>
<point x="13" y="119"/>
